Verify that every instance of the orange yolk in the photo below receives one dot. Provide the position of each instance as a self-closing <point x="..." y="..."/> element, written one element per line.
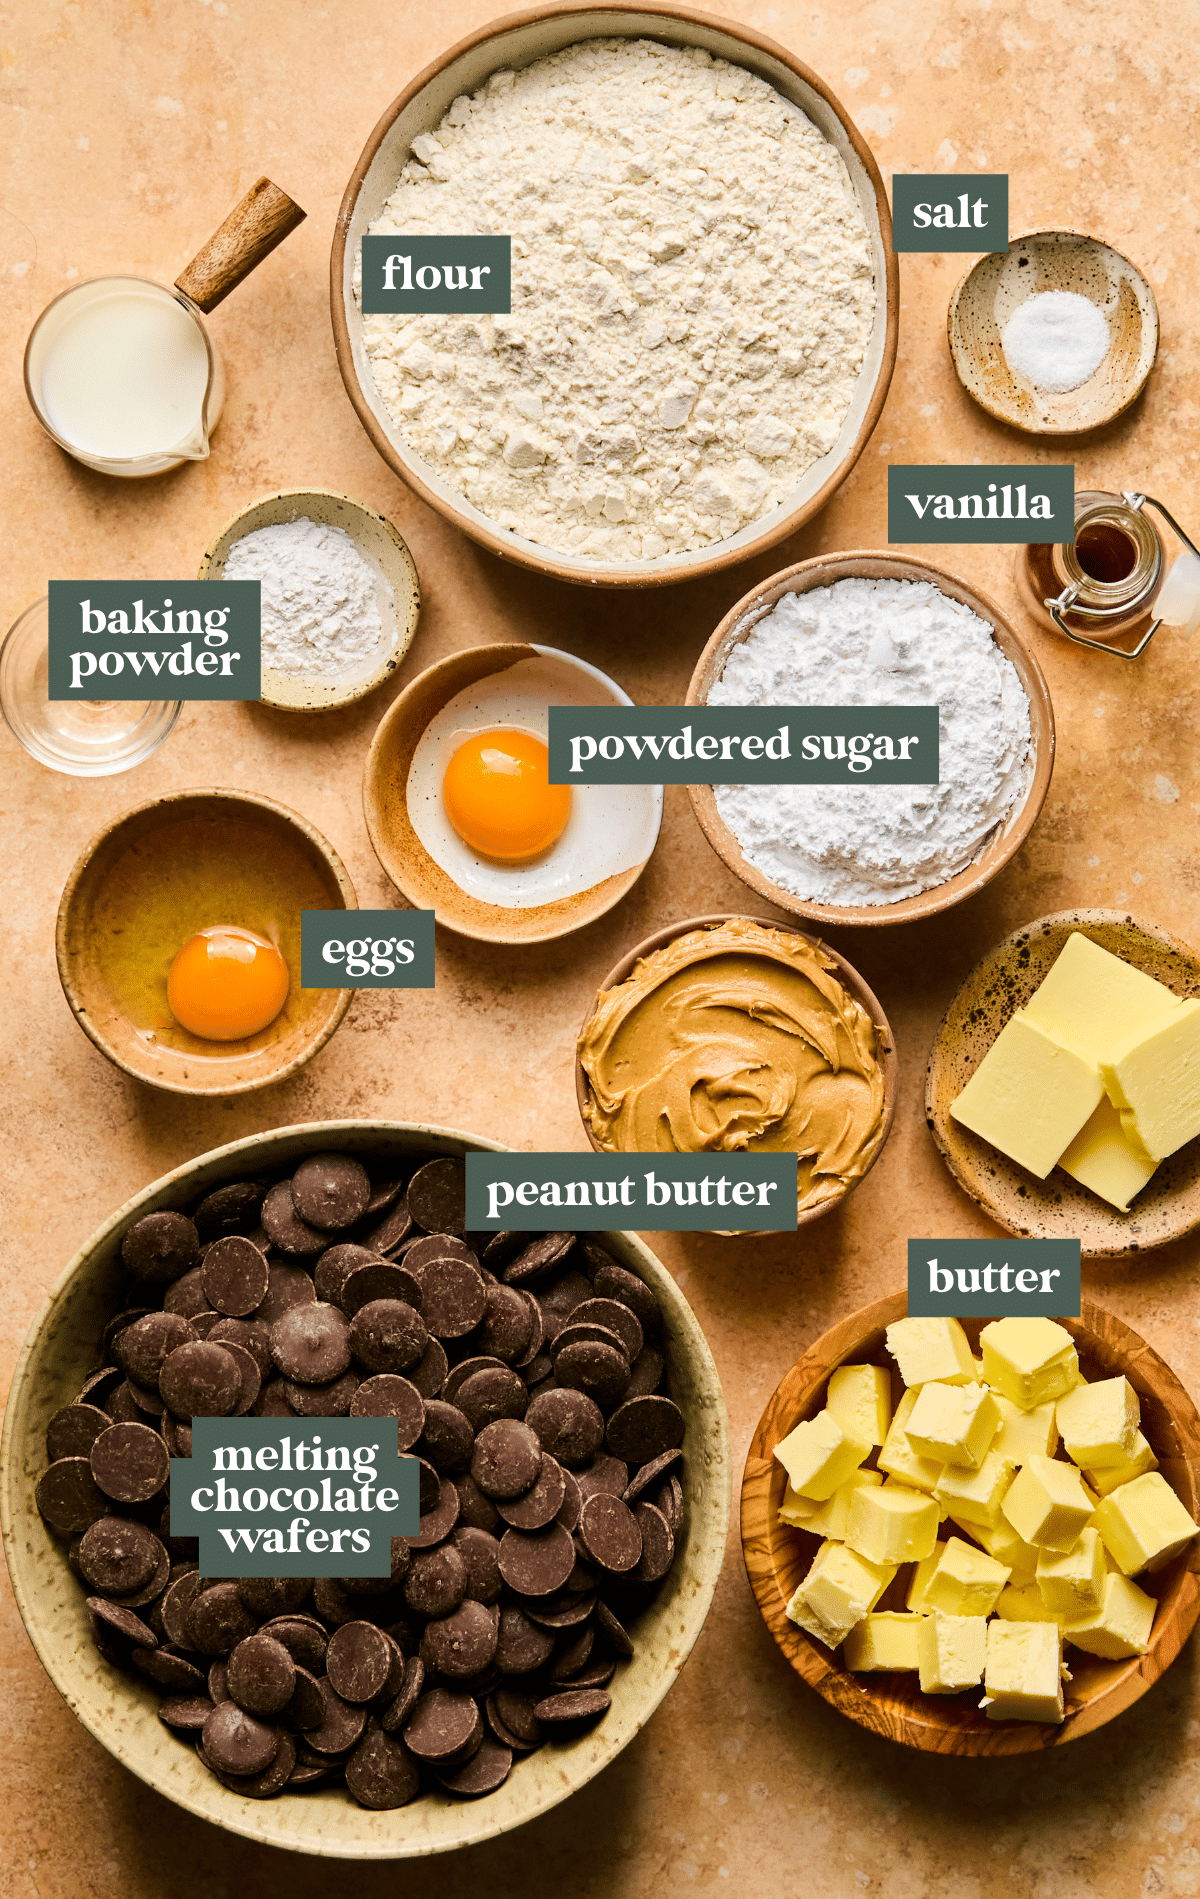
<point x="226" y="983"/>
<point x="499" y="798"/>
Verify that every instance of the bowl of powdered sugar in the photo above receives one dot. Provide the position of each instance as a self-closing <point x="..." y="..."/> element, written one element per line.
<point x="879" y="629"/>
<point x="704" y="293"/>
<point x="340" y="595"/>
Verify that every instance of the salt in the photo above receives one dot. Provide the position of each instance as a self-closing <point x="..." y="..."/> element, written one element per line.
<point x="1056" y="340"/>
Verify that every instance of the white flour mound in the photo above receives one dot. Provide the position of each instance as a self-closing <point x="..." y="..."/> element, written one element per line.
<point x="320" y="597"/>
<point x="692" y="297"/>
<point x="879" y="642"/>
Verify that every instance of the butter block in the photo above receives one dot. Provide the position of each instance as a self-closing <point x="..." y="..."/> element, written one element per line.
<point x="1072" y="1581"/>
<point x="1025" y="1434"/>
<point x="1023" y="1673"/>
<point x="1004" y="1546"/>
<point x="1099" y="1422"/>
<point x="860" y="1398"/>
<point x="826" y="1519"/>
<point x="838" y="1591"/>
<point x="819" y="1455"/>
<point x="1140" y="1460"/>
<point x="886" y="1640"/>
<point x="951" y="1652"/>
<point x="1091" y="999"/>
<point x="976" y="1495"/>
<point x="898" y="1457"/>
<point x="1103" y="1159"/>
<point x="921" y="1577"/>
<point x="1032" y="1361"/>
<point x="931" y="1348"/>
<point x="1025" y="1604"/>
<point x="1153" y="1078"/>
<point x="892" y="1525"/>
<point x="1048" y="1504"/>
<point x="965" y="1582"/>
<point x="1120" y="1626"/>
<point x="953" y="1424"/>
<point x="1029" y="1096"/>
<point x="1143" y="1524"/>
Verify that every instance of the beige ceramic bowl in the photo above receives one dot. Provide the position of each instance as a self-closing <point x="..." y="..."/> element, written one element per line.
<point x="517" y="41"/>
<point x="379" y="544"/>
<point x="570" y="681"/>
<point x="1057" y="1207"/>
<point x="777" y="1557"/>
<point x="846" y="973"/>
<point x="96" y="904"/>
<point x="1003" y="842"/>
<point x="996" y="287"/>
<point x="121" y="1712"/>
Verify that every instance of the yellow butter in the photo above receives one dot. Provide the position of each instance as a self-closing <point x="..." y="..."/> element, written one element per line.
<point x="1030" y="1360"/>
<point x="1029" y="1096"/>
<point x="1143" y="1524"/>
<point x="838" y="1591"/>
<point x="951" y="1651"/>
<point x="1048" y="1503"/>
<point x="1091" y="999"/>
<point x="965" y="1581"/>
<point x="976" y="1495"/>
<point x="1072" y="1581"/>
<point x="892" y="1525"/>
<point x="1025" y="1604"/>
<point x="921" y="1577"/>
<point x="826" y="1519"/>
<point x="1153" y="1078"/>
<point x="1120" y="1626"/>
<point x="953" y="1424"/>
<point x="1025" y="1434"/>
<point x="931" y="1348"/>
<point x="1023" y="1674"/>
<point x="1103" y="1159"/>
<point x="1004" y="1546"/>
<point x="860" y="1398"/>
<point x="1099" y="1422"/>
<point x="818" y="1456"/>
<point x="884" y="1641"/>
<point x="1140" y="1460"/>
<point x="898" y="1457"/>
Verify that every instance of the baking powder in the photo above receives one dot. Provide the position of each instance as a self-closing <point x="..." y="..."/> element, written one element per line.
<point x="320" y="597"/>
<point x="879" y="642"/>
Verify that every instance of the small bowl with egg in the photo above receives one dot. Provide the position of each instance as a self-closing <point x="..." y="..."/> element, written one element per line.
<point x="462" y="816"/>
<point x="178" y="942"/>
<point x="722" y="1000"/>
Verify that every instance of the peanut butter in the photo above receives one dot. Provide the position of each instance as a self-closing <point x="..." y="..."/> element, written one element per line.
<point x="737" y="1037"/>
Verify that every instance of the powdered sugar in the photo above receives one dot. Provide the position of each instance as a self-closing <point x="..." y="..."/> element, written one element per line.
<point x="879" y="642"/>
<point x="320" y="598"/>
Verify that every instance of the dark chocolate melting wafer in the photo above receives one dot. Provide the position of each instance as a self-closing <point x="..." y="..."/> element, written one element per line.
<point x="260" y="1675"/>
<point x="375" y="1279"/>
<point x="130" y="1463"/>
<point x="448" y="1437"/>
<point x="536" y="1562"/>
<point x="311" y="1344"/>
<point x="461" y="1645"/>
<point x="359" y="1661"/>
<point x="436" y="1582"/>
<point x="235" y="1276"/>
<point x="569" y="1423"/>
<point x="234" y="1741"/>
<point x="541" y="1503"/>
<point x="602" y="1371"/>
<point x="643" y="1428"/>
<point x="331" y="1191"/>
<point x="386" y="1335"/>
<point x="288" y="1286"/>
<point x="72" y="1431"/>
<point x="201" y="1381"/>
<point x="160" y="1247"/>
<point x="507" y="1457"/>
<point x="572" y="1704"/>
<point x="381" y="1773"/>
<point x="490" y="1395"/>
<point x="443" y="1727"/>
<point x="437" y="1196"/>
<point x="387" y="1395"/>
<point x="228" y="1209"/>
<point x="323" y="1401"/>
<point x="141" y="1348"/>
<point x="398" y="1710"/>
<point x="118" y="1556"/>
<point x="534" y="1261"/>
<point x="483" y="1773"/>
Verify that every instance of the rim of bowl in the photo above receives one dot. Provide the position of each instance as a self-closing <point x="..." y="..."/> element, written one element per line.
<point x="12" y="655"/>
<point x="530" y="554"/>
<point x="859" y="988"/>
<point x="79" y="871"/>
<point x="856" y="563"/>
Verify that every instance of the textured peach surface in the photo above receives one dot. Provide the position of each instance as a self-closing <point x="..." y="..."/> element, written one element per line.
<point x="129" y="131"/>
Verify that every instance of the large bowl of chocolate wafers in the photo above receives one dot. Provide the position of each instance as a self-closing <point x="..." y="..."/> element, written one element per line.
<point x="574" y="1472"/>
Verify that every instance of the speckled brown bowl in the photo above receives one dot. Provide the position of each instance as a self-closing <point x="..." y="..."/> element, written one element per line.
<point x="1057" y="1207"/>
<point x="997" y="286"/>
<point x="847" y="975"/>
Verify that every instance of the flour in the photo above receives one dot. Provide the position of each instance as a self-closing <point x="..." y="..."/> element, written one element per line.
<point x="1057" y="340"/>
<point x="320" y="597"/>
<point x="691" y="302"/>
<point x="879" y="642"/>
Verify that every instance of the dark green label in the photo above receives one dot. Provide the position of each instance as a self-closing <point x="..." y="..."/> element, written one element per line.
<point x="950" y="211"/>
<point x="661" y="1193"/>
<point x="751" y="745"/>
<point x="995" y="1279"/>
<point x="366" y="949"/>
<point x="295" y="1496"/>
<point x="405" y="276"/>
<point x="155" y="639"/>
<point x="1003" y="502"/>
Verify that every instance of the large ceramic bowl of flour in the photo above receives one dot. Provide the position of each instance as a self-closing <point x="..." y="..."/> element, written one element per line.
<point x="705" y="295"/>
<point x="879" y="629"/>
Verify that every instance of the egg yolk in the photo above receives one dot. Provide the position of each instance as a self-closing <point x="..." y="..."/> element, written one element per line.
<point x="226" y="983"/>
<point x="499" y="798"/>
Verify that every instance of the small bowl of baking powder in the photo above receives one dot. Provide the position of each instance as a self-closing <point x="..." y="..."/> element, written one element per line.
<point x="340" y="594"/>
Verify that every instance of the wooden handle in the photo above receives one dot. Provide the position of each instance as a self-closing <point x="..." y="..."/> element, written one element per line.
<point x="250" y="232"/>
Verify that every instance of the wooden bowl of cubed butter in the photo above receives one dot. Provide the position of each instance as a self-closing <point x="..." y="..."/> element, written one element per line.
<point x="976" y="1536"/>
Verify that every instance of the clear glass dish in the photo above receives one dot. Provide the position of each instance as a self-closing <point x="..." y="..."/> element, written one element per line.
<point x="92" y="739"/>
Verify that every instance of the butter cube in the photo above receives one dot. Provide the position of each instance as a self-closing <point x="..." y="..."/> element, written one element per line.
<point x="1103" y="1159"/>
<point x="1120" y="1627"/>
<point x="837" y="1592"/>
<point x="892" y="1525"/>
<point x="1048" y="1504"/>
<point x="1029" y="1096"/>
<point x="1091" y="999"/>
<point x="826" y="1519"/>
<point x="898" y="1457"/>
<point x="1025" y="1604"/>
<point x="1023" y="1676"/>
<point x="1140" y="1460"/>
<point x="860" y="1398"/>
<point x="965" y="1582"/>
<point x="1004" y="1546"/>
<point x="921" y="1578"/>
<point x="1072" y="1581"/>
<point x="1099" y="1422"/>
<point x="1143" y="1524"/>
<point x="976" y="1495"/>
<point x="1030" y="1360"/>
<point x="931" y="1348"/>
<point x="1025" y="1434"/>
<point x="883" y="1641"/>
<point x="1153" y="1078"/>
<point x="953" y="1424"/>
<point x="819" y="1455"/>
<point x="951" y="1651"/>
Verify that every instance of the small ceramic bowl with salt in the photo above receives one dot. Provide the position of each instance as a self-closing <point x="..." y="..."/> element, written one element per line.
<point x="340" y="594"/>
